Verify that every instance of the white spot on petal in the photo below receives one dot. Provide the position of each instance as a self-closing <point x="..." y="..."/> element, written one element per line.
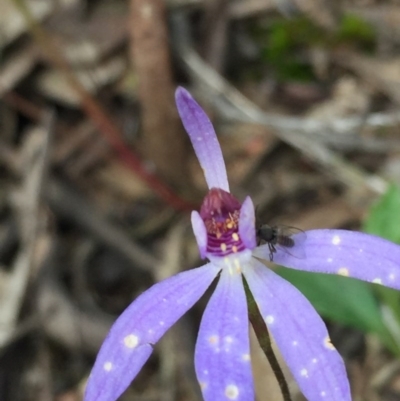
<point x="377" y="280"/>
<point x="131" y="341"/>
<point x="323" y="394"/>
<point x="392" y="277"/>
<point x="108" y="366"/>
<point x="336" y="240"/>
<point x="361" y="250"/>
<point x="232" y="392"/>
<point x="304" y="372"/>
<point x="315" y="360"/>
<point x="269" y="319"/>
<point x="203" y="385"/>
<point x="295" y="343"/>
<point x="343" y="271"/>
<point x="246" y="357"/>
<point x="228" y="339"/>
<point x="329" y="260"/>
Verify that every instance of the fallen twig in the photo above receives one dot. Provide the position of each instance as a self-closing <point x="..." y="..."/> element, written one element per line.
<point x="28" y="201"/>
<point x="225" y="96"/>
<point x="71" y="206"/>
<point x="99" y="116"/>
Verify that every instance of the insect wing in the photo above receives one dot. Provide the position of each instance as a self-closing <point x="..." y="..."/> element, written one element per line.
<point x="297" y="236"/>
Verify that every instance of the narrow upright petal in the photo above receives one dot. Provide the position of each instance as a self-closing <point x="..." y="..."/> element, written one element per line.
<point x="301" y="336"/>
<point x="200" y="232"/>
<point x="347" y="253"/>
<point x="203" y="138"/>
<point x="131" y="339"/>
<point x="247" y="224"/>
<point x="222" y="355"/>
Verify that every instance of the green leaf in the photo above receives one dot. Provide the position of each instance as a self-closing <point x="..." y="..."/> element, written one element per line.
<point x="384" y="217"/>
<point x="384" y="220"/>
<point x="353" y="28"/>
<point x="342" y="299"/>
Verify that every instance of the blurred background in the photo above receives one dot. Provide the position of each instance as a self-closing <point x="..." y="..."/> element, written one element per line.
<point x="97" y="176"/>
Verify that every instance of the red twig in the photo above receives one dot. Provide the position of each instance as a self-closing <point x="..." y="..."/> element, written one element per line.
<point x="100" y="118"/>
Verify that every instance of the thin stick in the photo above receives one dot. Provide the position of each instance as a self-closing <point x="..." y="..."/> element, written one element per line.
<point x="160" y="121"/>
<point x="99" y="116"/>
<point x="242" y="109"/>
<point x="28" y="205"/>
<point x="264" y="339"/>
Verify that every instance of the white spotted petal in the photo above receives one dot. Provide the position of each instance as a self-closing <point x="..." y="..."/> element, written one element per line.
<point x="222" y="356"/>
<point x="348" y="253"/>
<point x="131" y="338"/>
<point x="203" y="138"/>
<point x="300" y="334"/>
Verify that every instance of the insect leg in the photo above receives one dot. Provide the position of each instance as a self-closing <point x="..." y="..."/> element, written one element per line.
<point x="272" y="250"/>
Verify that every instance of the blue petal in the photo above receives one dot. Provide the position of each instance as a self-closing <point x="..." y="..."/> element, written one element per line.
<point x="131" y="339"/>
<point x="203" y="138"/>
<point x="222" y="356"/>
<point x="348" y="253"/>
<point x="301" y="336"/>
<point x="247" y="224"/>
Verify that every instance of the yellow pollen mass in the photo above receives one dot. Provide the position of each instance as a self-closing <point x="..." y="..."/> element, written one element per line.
<point x="131" y="341"/>
<point x="213" y="339"/>
<point x="328" y="343"/>
<point x="229" y="225"/>
<point x="234" y="249"/>
<point x="237" y="265"/>
<point x="235" y="236"/>
<point x="223" y="247"/>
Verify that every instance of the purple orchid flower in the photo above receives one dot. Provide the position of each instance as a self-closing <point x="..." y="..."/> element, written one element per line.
<point x="226" y="235"/>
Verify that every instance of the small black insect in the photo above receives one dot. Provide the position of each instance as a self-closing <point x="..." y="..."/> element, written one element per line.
<point x="281" y="236"/>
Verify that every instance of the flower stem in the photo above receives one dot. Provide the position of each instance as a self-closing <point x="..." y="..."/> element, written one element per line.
<point x="264" y="339"/>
